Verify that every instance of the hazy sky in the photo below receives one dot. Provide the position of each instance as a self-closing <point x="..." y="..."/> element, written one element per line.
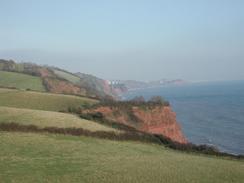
<point x="128" y="39"/>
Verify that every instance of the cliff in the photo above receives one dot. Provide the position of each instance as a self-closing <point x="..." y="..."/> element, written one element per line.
<point x="138" y="85"/>
<point x="155" y="119"/>
<point x="56" y="80"/>
<point x="100" y="87"/>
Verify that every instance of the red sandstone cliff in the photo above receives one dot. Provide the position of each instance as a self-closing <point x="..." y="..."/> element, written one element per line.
<point x="160" y="120"/>
<point x="156" y="120"/>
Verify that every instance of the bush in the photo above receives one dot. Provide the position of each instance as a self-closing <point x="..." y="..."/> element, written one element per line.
<point x="138" y="99"/>
<point x="74" y="110"/>
<point x="157" y="100"/>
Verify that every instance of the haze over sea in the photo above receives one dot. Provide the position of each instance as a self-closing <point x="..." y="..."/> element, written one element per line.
<point x="209" y="113"/>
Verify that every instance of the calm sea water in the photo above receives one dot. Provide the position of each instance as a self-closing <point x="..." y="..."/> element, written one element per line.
<point x="209" y="113"/>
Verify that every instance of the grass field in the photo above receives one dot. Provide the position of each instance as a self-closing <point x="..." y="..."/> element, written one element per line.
<point x="22" y="81"/>
<point x="48" y="119"/>
<point x="35" y="157"/>
<point x="39" y="100"/>
<point x="72" y="78"/>
<point x="29" y="157"/>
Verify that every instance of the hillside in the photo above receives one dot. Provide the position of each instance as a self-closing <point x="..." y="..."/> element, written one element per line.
<point x="57" y="158"/>
<point x="43" y="119"/>
<point x="138" y="85"/>
<point x="22" y="81"/>
<point x="54" y="80"/>
<point x="41" y="100"/>
<point x="96" y="85"/>
<point x="68" y="76"/>
<point x="65" y="135"/>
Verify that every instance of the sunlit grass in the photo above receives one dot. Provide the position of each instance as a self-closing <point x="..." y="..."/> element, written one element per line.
<point x="48" y="119"/>
<point x="27" y="157"/>
<point x="41" y="100"/>
<point x="70" y="77"/>
<point x="21" y="81"/>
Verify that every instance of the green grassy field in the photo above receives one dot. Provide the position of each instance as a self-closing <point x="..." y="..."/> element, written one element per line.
<point x="22" y="81"/>
<point x="48" y="119"/>
<point x="33" y="157"/>
<point x="70" y="77"/>
<point x="29" y="157"/>
<point x="39" y="100"/>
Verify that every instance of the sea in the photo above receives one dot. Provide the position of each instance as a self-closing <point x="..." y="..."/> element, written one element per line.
<point x="209" y="112"/>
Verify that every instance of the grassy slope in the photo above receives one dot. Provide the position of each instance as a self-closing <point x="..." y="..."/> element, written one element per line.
<point x="41" y="101"/>
<point x="27" y="157"/>
<point x="72" y="78"/>
<point x="48" y="119"/>
<point x="22" y="81"/>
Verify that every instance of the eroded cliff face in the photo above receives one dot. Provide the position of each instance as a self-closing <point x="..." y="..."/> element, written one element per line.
<point x="160" y="120"/>
<point x="156" y="120"/>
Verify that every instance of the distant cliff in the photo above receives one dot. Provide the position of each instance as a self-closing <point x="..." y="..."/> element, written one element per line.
<point x="100" y="86"/>
<point x="137" y="85"/>
<point x="56" y="80"/>
<point x="150" y="118"/>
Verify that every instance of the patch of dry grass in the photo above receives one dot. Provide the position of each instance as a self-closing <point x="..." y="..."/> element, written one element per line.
<point x="48" y="119"/>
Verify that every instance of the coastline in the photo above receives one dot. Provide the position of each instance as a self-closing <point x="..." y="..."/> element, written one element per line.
<point x="200" y="115"/>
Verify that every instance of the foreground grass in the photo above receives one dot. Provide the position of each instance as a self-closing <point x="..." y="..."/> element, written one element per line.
<point x="48" y="119"/>
<point x="28" y="157"/>
<point x="22" y="81"/>
<point x="41" y="101"/>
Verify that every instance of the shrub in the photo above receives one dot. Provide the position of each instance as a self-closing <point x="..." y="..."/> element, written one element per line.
<point x="138" y="99"/>
<point x="158" y="100"/>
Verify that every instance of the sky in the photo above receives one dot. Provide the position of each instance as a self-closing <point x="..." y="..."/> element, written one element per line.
<point x="144" y="40"/>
